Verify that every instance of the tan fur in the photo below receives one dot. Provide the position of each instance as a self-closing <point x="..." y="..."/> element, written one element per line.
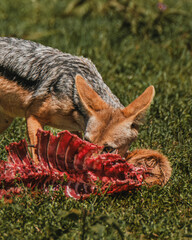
<point x="17" y="102"/>
<point x="159" y="169"/>
<point x="90" y="99"/>
<point x="105" y="126"/>
<point x="109" y="129"/>
<point x="108" y="126"/>
<point x="13" y="102"/>
<point x="33" y="124"/>
<point x="138" y="107"/>
<point x="13" y="99"/>
<point x="59" y="114"/>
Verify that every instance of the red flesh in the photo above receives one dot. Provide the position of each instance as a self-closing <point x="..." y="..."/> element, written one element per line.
<point x="66" y="157"/>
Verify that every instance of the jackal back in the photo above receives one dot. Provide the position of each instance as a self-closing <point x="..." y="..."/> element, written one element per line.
<point x="41" y="70"/>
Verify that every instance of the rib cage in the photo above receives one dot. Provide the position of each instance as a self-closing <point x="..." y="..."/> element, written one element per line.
<point x="69" y="162"/>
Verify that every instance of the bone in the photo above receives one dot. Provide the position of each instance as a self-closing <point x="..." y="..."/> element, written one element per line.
<point x="76" y="166"/>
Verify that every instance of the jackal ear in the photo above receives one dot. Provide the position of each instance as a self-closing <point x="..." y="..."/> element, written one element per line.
<point x="137" y="109"/>
<point x="90" y="99"/>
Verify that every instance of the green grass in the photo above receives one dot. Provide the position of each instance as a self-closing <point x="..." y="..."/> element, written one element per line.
<point x="132" y="49"/>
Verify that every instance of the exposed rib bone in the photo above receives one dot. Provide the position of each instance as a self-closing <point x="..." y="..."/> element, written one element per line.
<point x="68" y="162"/>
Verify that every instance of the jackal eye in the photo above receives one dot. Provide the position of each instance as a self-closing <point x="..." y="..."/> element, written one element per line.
<point x="108" y="149"/>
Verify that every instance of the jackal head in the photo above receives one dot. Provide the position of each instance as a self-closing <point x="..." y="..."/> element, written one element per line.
<point x="110" y="127"/>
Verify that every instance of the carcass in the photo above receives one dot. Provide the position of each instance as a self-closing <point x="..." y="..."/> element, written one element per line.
<point x="77" y="167"/>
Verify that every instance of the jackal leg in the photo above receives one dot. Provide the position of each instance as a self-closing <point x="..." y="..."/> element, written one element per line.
<point x="5" y="121"/>
<point x="33" y="124"/>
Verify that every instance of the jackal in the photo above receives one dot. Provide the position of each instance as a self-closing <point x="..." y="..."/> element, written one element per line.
<point x="49" y="87"/>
